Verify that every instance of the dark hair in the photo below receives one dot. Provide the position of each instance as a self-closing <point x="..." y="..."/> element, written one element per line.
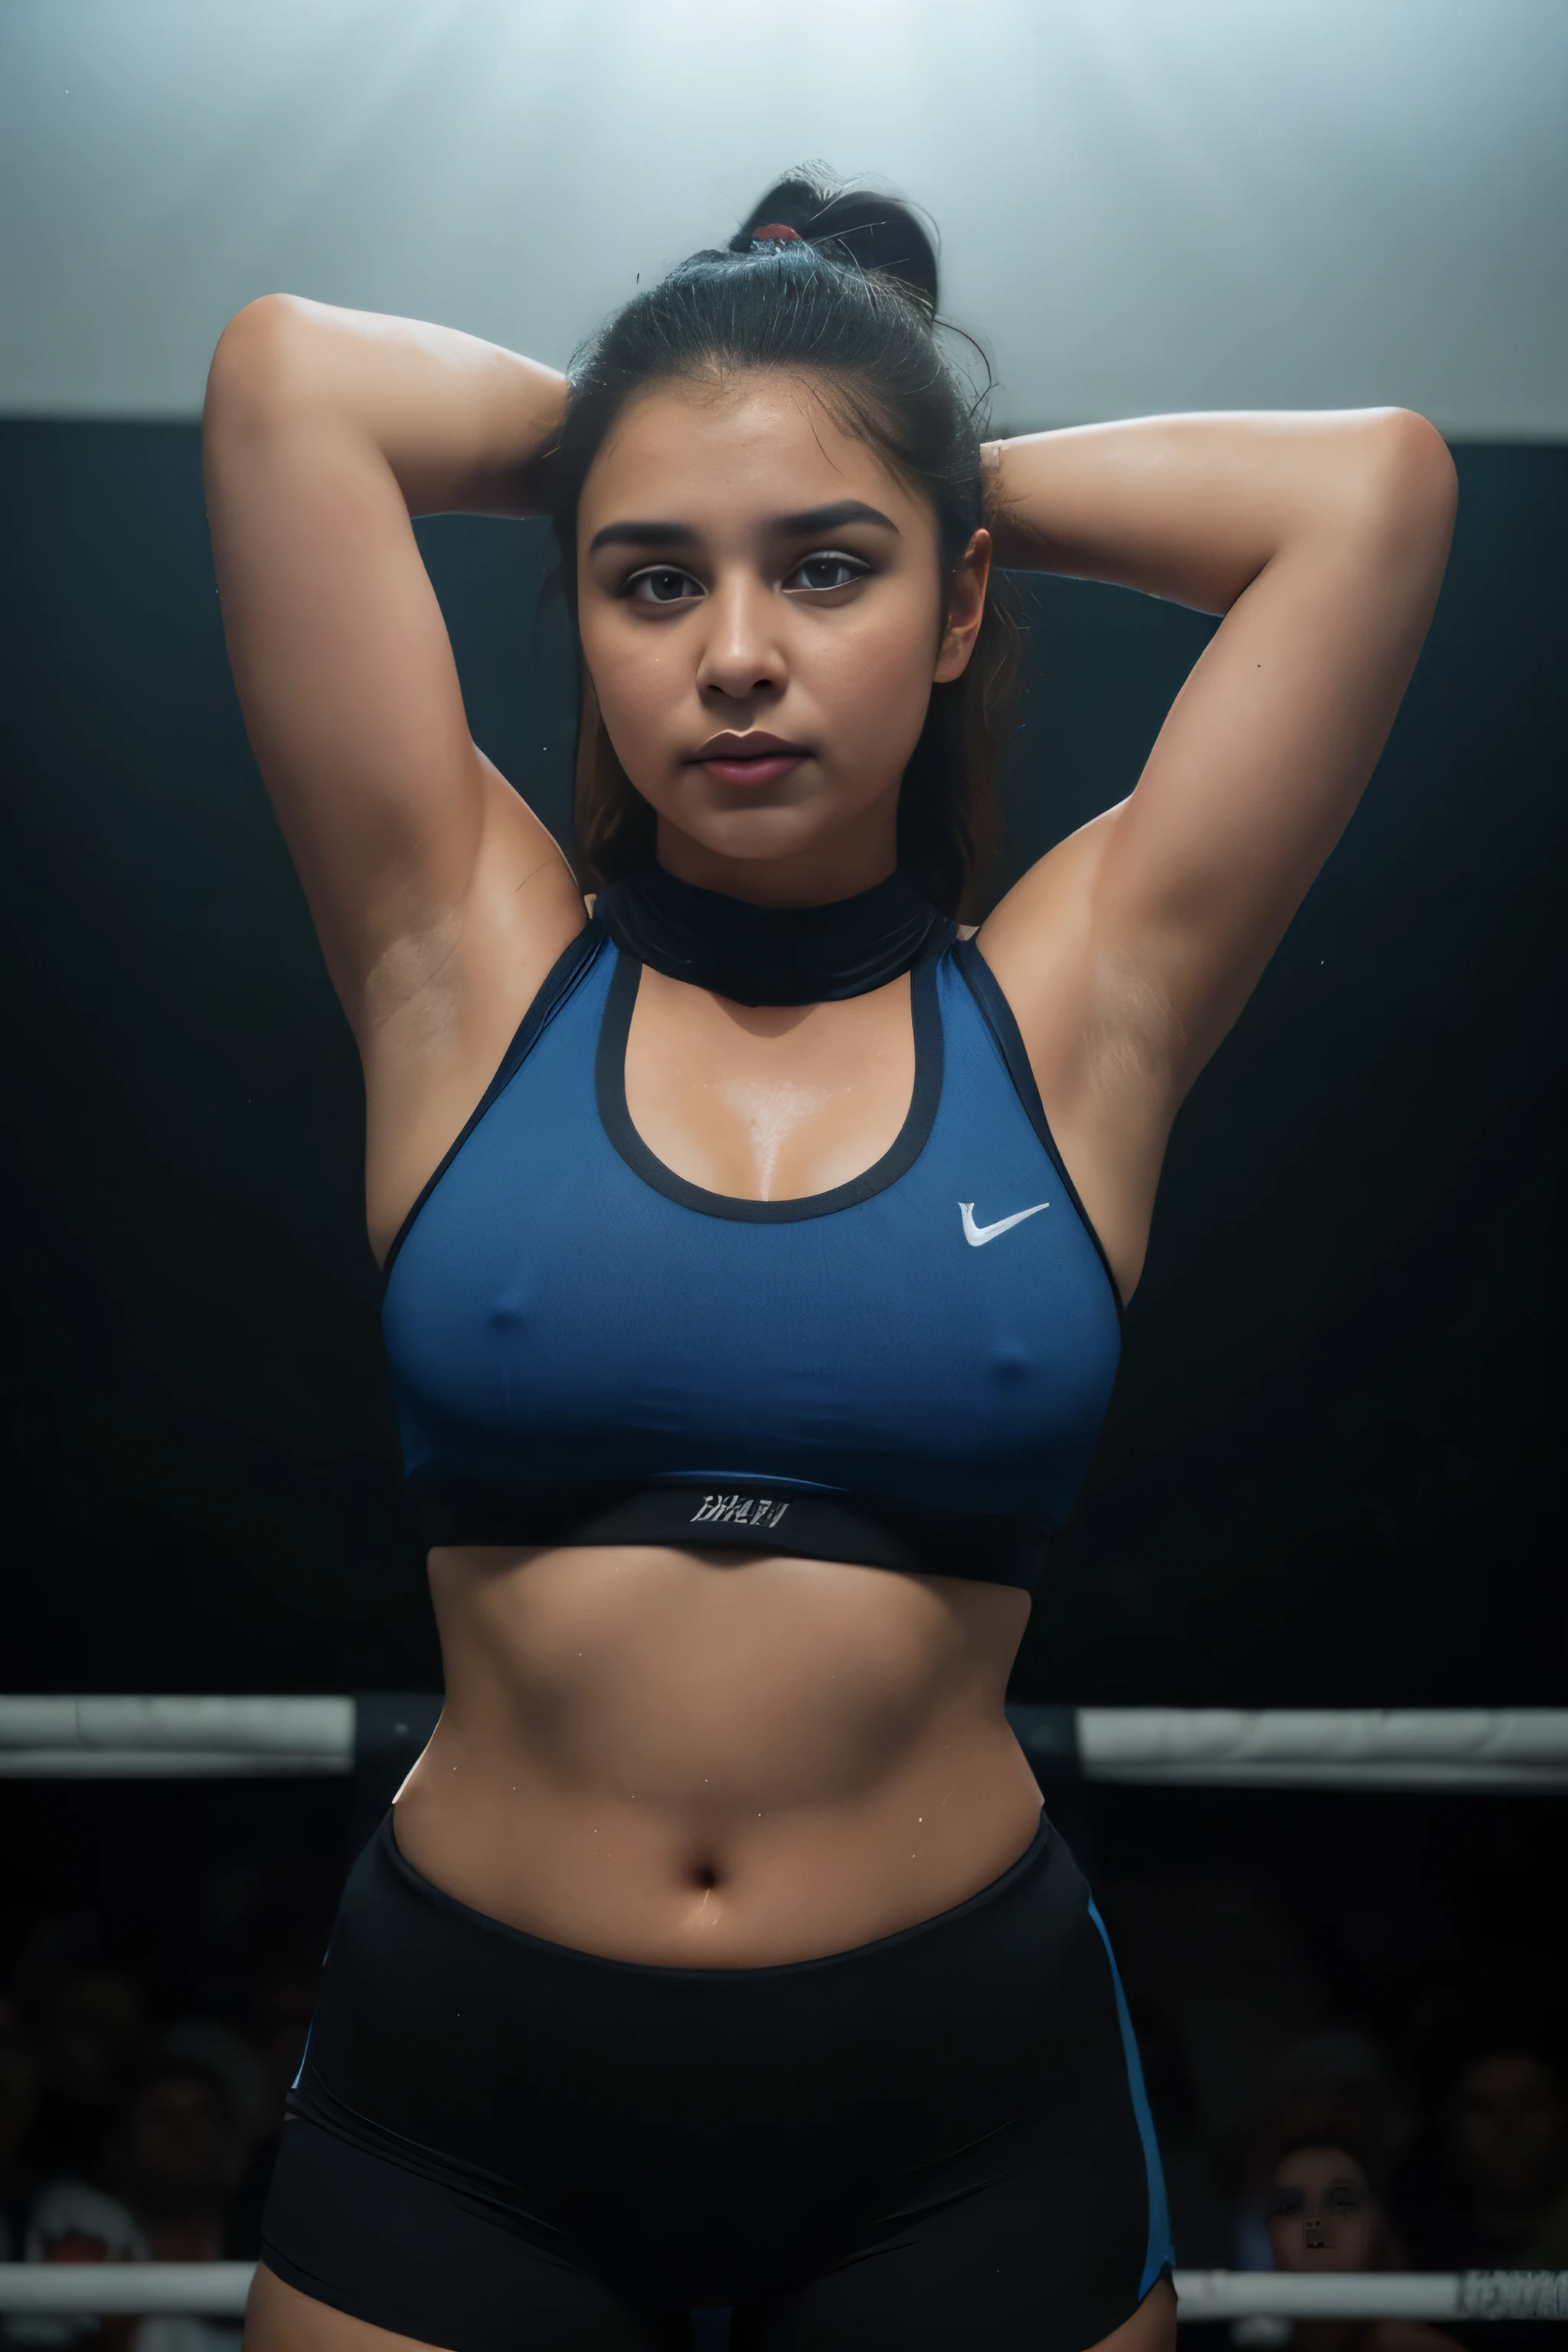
<point x="1352" y="2141"/>
<point x="851" y="301"/>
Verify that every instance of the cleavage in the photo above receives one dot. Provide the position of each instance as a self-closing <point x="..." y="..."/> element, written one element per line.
<point x="768" y="1102"/>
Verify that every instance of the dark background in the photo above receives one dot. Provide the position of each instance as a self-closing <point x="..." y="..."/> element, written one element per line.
<point x="1330" y="1473"/>
<point x="1329" y="1477"/>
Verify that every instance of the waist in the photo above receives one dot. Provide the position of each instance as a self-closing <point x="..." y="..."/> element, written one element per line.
<point x="719" y="1758"/>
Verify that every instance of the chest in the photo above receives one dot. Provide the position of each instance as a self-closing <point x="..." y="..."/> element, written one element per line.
<point x="569" y="1298"/>
<point x="766" y="1103"/>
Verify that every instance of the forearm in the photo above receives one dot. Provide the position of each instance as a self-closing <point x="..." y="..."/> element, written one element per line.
<point x="1195" y="507"/>
<point x="461" y="424"/>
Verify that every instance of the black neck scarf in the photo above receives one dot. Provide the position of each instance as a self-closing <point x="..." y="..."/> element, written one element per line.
<point x="773" y="955"/>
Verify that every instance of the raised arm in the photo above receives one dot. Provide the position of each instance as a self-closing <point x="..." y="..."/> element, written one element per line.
<point x="440" y="900"/>
<point x="1129" y="952"/>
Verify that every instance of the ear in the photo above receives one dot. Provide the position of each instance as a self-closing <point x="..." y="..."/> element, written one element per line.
<point x="966" y="609"/>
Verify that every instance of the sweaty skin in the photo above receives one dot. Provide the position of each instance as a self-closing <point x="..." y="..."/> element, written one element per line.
<point x="698" y="1756"/>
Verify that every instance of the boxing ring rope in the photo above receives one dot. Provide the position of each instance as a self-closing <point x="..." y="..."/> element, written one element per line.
<point x="217" y="2290"/>
<point x="1512" y="1751"/>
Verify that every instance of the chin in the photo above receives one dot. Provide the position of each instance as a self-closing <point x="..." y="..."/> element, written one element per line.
<point x="761" y="834"/>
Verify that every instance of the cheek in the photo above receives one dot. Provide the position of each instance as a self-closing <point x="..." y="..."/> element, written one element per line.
<point x="872" y="682"/>
<point x="638" y="677"/>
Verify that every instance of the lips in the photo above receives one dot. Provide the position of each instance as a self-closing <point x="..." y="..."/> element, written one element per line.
<point x="751" y="758"/>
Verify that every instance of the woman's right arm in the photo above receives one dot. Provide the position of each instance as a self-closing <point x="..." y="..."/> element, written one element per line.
<point x="440" y="899"/>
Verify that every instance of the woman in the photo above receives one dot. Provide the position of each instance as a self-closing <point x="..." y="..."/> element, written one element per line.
<point x="749" y="1330"/>
<point x="1324" y="2213"/>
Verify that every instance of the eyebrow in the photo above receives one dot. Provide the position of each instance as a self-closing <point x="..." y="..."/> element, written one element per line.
<point x="791" y="526"/>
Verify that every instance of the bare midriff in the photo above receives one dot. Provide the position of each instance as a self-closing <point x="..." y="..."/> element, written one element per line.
<point x="716" y="1758"/>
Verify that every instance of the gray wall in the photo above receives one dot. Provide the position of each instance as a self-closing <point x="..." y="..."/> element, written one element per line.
<point x="1145" y="204"/>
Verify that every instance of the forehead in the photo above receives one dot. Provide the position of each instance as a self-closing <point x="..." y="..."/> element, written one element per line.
<point x="1315" y="2167"/>
<point x="730" y="452"/>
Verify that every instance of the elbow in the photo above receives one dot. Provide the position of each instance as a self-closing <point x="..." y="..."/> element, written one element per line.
<point x="256" y="359"/>
<point x="1411" y="487"/>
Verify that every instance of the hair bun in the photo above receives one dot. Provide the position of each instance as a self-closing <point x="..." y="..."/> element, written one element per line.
<point x="876" y="231"/>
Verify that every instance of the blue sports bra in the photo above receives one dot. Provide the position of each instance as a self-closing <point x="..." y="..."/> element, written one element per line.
<point x="908" y="1371"/>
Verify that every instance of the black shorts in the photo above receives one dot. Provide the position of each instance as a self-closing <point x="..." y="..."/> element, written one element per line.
<point x="939" y="2139"/>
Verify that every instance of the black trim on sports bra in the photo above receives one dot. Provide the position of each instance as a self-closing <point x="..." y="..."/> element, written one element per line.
<point x="688" y="1513"/>
<point x="1002" y="1024"/>
<point x="610" y="1083"/>
<point x="571" y="965"/>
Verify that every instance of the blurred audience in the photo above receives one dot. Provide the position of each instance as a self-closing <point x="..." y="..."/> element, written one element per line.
<point x="92" y="2033"/>
<point x="168" y="2161"/>
<point x="1323" y="2212"/>
<point x="70" y="2222"/>
<point x="1486" y="2186"/>
<point x="174" y="2157"/>
<point x="19" y="2079"/>
<point x="1502" y="2128"/>
<point x="1332" y="2089"/>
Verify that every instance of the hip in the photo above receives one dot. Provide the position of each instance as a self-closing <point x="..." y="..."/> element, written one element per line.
<point x="716" y="2132"/>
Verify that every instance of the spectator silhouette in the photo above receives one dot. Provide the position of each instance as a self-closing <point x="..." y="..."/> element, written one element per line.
<point x="92" y="2033"/>
<point x="1332" y="2089"/>
<point x="1506" y="2131"/>
<point x="18" y="2103"/>
<point x="1323" y="2212"/>
<point x="173" y="2158"/>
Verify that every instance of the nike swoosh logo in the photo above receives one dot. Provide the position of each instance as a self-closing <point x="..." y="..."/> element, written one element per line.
<point x="978" y="1236"/>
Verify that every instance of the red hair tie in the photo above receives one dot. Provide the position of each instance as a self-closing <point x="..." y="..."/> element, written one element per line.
<point x="777" y="233"/>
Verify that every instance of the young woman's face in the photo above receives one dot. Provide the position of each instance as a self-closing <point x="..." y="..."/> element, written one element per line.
<point x="1322" y="2213"/>
<point x="762" y="614"/>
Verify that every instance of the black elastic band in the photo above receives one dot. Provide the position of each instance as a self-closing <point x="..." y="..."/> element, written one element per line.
<point x="745" y="1512"/>
<point x="773" y="955"/>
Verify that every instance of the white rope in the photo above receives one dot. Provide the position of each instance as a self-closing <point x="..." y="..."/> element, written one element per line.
<point x="186" y="1738"/>
<point x="1518" y="1748"/>
<point x="212" y="2289"/>
<point x="1372" y="2294"/>
<point x="1353" y="1747"/>
<point x="218" y="2289"/>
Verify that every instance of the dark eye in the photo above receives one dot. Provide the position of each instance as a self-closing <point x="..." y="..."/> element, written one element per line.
<point x="661" y="585"/>
<point x="1341" y="2197"/>
<point x="821" y="571"/>
<point x="1282" y="2201"/>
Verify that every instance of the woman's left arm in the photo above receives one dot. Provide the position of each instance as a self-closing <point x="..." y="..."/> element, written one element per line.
<point x="1128" y="953"/>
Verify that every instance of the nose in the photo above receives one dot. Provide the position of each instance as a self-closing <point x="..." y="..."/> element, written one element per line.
<point x="742" y="657"/>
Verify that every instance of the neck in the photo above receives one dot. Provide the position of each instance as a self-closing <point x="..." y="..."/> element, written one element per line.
<point x="855" y="859"/>
<point x="757" y="954"/>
